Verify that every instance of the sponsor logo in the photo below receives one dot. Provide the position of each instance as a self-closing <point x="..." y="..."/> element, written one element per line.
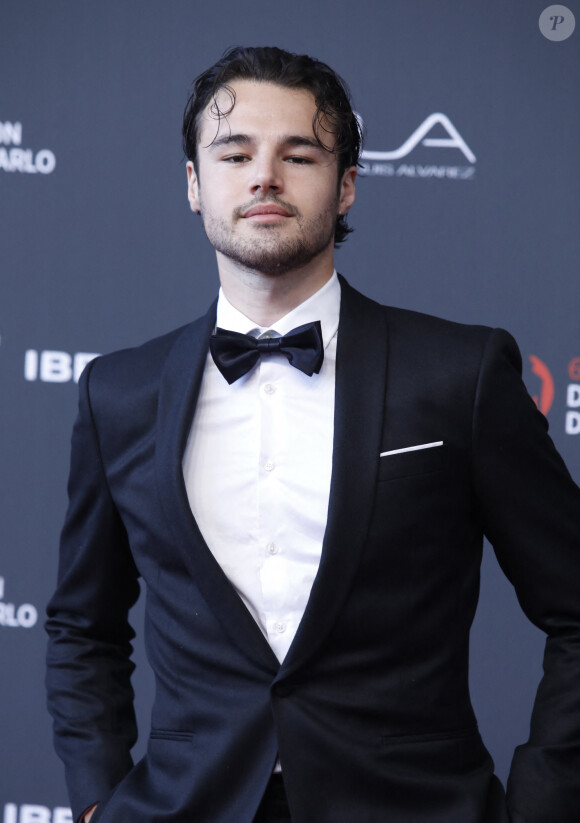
<point x="14" y="617"/>
<point x="386" y="163"/>
<point x="557" y="23"/>
<point x="573" y="397"/>
<point x="28" y="813"/>
<point x="16" y="158"/>
<point x="544" y="397"/>
<point x="55" y="366"/>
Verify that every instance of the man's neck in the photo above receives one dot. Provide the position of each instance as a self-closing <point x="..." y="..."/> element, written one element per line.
<point x="265" y="298"/>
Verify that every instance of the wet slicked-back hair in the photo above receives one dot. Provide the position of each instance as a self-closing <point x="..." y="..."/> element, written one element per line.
<point x="334" y="114"/>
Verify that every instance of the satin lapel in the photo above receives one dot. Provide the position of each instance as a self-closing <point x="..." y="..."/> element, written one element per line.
<point x="358" y="420"/>
<point x="180" y="384"/>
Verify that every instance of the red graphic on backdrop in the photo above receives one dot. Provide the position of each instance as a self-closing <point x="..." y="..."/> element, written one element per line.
<point x="574" y="368"/>
<point x="546" y="397"/>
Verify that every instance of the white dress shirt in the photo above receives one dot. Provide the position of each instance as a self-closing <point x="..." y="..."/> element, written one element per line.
<point x="257" y="468"/>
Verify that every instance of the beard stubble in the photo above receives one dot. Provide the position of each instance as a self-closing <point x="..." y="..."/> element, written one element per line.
<point x="266" y="251"/>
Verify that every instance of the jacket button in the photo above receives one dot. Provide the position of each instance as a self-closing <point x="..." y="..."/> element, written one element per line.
<point x="282" y="689"/>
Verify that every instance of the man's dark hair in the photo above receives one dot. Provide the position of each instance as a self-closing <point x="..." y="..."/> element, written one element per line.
<point x="269" y="64"/>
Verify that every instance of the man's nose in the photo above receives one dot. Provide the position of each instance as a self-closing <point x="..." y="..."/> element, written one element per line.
<point x="266" y="175"/>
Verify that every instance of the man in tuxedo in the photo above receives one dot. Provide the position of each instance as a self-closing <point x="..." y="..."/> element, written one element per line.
<point x="302" y="479"/>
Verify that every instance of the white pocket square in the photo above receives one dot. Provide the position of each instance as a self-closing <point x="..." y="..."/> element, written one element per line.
<point x="412" y="448"/>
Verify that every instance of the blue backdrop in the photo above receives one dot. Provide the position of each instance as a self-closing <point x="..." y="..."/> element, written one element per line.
<point x="467" y="207"/>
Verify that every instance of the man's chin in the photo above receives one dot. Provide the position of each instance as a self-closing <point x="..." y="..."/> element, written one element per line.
<point x="274" y="260"/>
<point x="269" y="265"/>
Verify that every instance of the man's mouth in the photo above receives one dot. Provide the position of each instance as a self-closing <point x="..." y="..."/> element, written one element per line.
<point x="266" y="212"/>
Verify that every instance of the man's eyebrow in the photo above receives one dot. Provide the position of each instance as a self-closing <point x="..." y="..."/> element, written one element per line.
<point x="291" y="140"/>
<point x="227" y="139"/>
<point x="298" y="140"/>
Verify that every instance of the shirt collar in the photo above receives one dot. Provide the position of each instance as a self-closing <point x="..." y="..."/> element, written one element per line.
<point x="323" y="305"/>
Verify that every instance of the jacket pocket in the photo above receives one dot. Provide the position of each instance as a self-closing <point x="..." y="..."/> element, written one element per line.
<point x="170" y="734"/>
<point x="407" y="464"/>
<point x="429" y="737"/>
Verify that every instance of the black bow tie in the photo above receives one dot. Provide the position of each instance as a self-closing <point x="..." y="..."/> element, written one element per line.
<point x="235" y="354"/>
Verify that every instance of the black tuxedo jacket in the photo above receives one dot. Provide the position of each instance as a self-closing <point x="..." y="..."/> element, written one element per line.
<point x="370" y="711"/>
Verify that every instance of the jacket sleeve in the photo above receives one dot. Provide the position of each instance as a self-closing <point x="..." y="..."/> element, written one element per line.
<point x="531" y="512"/>
<point x="89" y="653"/>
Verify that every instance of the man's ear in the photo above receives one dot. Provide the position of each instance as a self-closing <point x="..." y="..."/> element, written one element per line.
<point x="347" y="190"/>
<point x="192" y="187"/>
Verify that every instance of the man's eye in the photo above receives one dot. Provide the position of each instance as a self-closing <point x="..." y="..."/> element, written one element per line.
<point x="236" y="158"/>
<point x="298" y="160"/>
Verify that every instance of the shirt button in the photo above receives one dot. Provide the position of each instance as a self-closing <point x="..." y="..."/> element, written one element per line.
<point x="272" y="548"/>
<point x="269" y="465"/>
<point x="280" y="627"/>
<point x="269" y="388"/>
